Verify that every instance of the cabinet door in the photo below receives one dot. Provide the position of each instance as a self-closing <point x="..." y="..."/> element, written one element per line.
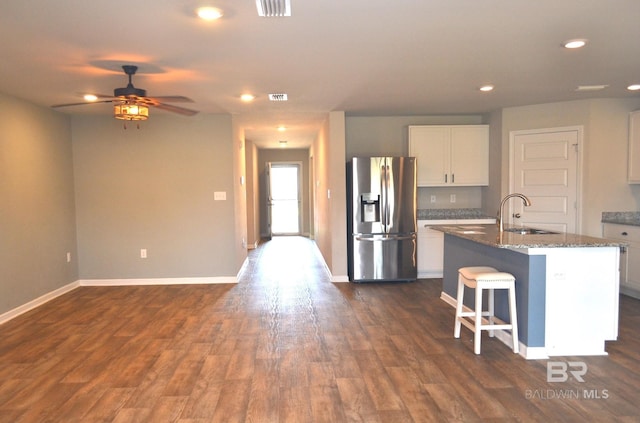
<point x="430" y="253"/>
<point x="470" y="155"/>
<point x="629" y="257"/>
<point x="430" y="146"/>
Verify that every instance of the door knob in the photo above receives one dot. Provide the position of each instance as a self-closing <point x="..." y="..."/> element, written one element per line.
<point x="516" y="215"/>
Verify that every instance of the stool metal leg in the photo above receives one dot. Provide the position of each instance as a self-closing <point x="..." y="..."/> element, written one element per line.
<point x="460" y="299"/>
<point x="490" y="319"/>
<point x="477" y="336"/>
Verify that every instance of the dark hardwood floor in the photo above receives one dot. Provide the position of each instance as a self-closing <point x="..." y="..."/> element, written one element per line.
<point x="286" y="345"/>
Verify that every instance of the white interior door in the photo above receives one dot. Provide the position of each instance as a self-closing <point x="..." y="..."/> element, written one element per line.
<point x="283" y="187"/>
<point x="544" y="167"/>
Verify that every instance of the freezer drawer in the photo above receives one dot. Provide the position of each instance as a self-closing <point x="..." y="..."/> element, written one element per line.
<point x="384" y="258"/>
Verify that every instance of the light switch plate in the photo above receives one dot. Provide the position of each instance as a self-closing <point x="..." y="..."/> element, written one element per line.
<point x="220" y="195"/>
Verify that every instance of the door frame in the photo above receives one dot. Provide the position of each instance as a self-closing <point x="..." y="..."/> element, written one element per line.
<point x="579" y="157"/>
<point x="285" y="163"/>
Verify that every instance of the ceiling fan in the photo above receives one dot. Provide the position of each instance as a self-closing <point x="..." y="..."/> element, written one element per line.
<point x="131" y="103"/>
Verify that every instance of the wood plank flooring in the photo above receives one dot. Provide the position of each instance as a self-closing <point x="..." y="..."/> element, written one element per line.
<point x="286" y="345"/>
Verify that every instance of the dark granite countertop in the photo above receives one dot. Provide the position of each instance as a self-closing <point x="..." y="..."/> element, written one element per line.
<point x="621" y="218"/>
<point x="491" y="236"/>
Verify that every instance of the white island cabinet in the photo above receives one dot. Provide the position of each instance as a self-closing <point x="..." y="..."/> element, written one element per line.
<point x="431" y="244"/>
<point x="450" y="155"/>
<point x="566" y="286"/>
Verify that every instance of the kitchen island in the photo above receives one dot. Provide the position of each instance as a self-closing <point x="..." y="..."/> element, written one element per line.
<point x="567" y="285"/>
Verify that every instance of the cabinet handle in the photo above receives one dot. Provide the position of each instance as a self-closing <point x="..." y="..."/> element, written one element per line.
<point x="445" y="178"/>
<point x="453" y="178"/>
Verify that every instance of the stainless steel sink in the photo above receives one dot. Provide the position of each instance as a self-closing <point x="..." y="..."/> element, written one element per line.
<point x="530" y="231"/>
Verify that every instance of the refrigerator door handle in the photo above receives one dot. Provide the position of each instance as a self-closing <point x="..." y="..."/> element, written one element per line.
<point x="383" y="199"/>
<point x="385" y="196"/>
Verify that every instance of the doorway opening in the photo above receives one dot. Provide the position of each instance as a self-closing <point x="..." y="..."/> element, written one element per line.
<point x="284" y="198"/>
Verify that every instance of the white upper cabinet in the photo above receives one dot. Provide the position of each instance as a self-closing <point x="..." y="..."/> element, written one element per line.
<point x="633" y="170"/>
<point x="450" y="155"/>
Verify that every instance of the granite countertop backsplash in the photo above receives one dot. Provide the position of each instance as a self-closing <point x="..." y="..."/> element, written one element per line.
<point x="443" y="214"/>
<point x="621" y="218"/>
<point x="489" y="235"/>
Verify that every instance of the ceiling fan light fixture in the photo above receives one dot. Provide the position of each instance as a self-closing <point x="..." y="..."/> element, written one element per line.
<point x="90" y="97"/>
<point x="130" y="111"/>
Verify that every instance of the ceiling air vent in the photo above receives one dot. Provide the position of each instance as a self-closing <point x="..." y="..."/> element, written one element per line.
<point x="270" y="8"/>
<point x="278" y="97"/>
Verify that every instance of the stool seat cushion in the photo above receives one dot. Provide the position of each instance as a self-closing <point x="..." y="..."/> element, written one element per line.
<point x="485" y="274"/>
<point x="487" y="278"/>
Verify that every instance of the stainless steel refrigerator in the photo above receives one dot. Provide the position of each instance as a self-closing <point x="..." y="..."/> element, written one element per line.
<point x="382" y="239"/>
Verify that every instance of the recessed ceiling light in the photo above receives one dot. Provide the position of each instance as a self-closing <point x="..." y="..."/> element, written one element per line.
<point x="247" y="97"/>
<point x="90" y="97"/>
<point x="577" y="43"/>
<point x="283" y="143"/>
<point x="282" y="128"/>
<point x="209" y="13"/>
<point x="487" y="88"/>
<point x="634" y="87"/>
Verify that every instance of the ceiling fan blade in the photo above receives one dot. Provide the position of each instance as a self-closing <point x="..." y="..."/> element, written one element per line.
<point x="84" y="103"/>
<point x="174" y="109"/>
<point x="171" y="99"/>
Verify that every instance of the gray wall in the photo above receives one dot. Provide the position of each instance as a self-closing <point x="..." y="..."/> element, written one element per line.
<point x="153" y="188"/>
<point x="37" y="216"/>
<point x="388" y="135"/>
<point x="604" y="184"/>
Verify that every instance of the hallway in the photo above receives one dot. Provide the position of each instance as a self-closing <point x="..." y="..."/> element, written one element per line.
<point x="286" y="345"/>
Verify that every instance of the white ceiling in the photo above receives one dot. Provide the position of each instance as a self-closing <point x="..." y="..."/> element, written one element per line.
<point x="364" y="57"/>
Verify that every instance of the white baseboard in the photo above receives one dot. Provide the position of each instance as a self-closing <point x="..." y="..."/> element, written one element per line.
<point x="158" y="281"/>
<point x="340" y="278"/>
<point x="12" y="314"/>
<point x="429" y="275"/>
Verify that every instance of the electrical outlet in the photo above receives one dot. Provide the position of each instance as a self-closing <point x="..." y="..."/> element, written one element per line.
<point x="143" y="253"/>
<point x="433" y="198"/>
<point x="68" y="257"/>
<point x="452" y="198"/>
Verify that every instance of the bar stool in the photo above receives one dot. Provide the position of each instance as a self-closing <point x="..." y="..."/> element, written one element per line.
<point x="481" y="278"/>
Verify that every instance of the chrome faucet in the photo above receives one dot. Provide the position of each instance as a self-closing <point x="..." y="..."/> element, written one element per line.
<point x="525" y="200"/>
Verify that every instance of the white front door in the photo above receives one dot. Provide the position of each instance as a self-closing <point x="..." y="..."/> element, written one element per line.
<point x="284" y="202"/>
<point x="544" y="167"/>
